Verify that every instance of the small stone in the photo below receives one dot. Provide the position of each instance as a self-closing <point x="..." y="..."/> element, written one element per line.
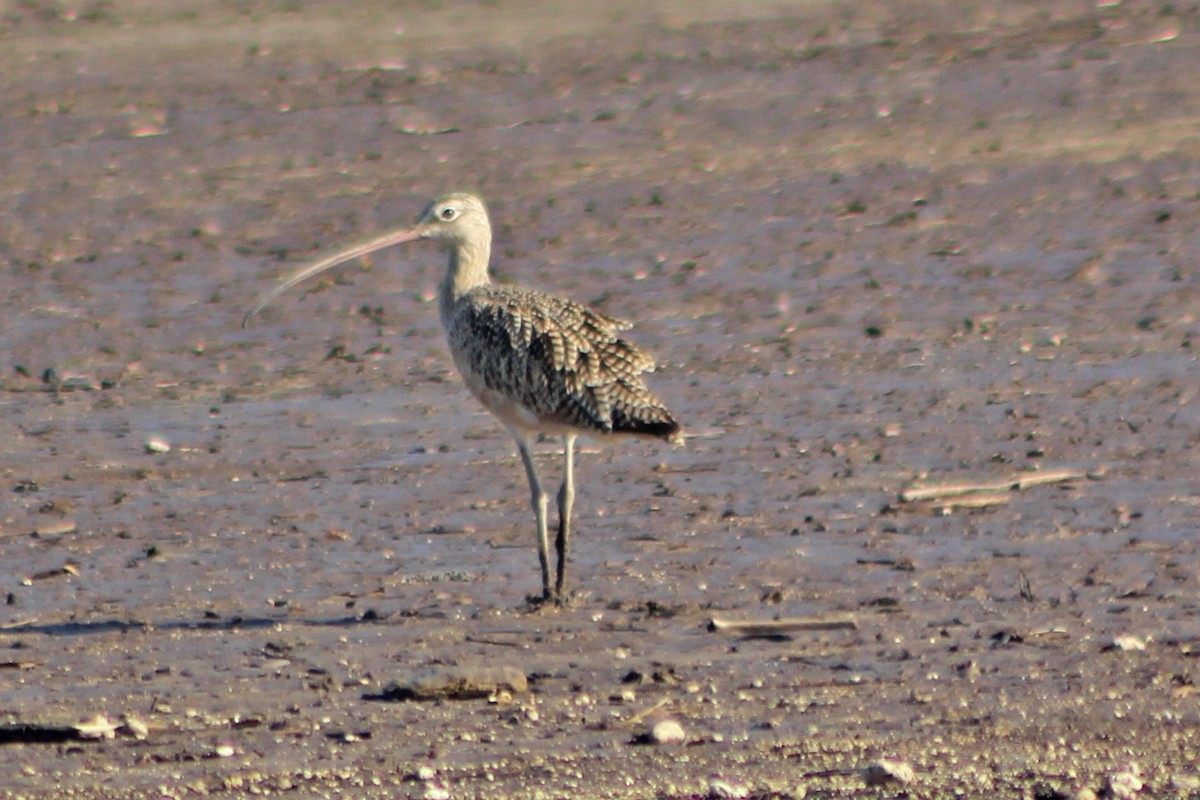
<point x="157" y="444"/>
<point x="1129" y="643"/>
<point x="886" y="770"/>
<point x="667" y="731"/>
<point x="723" y="789"/>
<point x="98" y="727"/>
<point x="1185" y="784"/>
<point x="1125" y="784"/>
<point x="134" y="726"/>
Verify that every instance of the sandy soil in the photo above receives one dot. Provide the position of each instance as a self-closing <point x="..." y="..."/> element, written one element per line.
<point x="873" y="244"/>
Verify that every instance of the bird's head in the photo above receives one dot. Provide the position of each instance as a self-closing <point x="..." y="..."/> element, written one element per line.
<point x="455" y="219"/>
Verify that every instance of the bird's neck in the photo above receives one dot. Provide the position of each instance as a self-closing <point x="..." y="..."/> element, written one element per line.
<point x="468" y="270"/>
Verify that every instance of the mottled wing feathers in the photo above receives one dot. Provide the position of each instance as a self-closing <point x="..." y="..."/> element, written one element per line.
<point x="560" y="361"/>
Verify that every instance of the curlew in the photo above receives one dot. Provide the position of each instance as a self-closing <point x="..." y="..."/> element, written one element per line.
<point x="541" y="364"/>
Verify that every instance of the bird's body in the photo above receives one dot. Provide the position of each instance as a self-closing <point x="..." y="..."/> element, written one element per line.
<point x="541" y="364"/>
<point x="544" y="364"/>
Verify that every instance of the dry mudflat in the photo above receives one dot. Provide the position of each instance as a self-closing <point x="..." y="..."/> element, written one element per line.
<point x="875" y="246"/>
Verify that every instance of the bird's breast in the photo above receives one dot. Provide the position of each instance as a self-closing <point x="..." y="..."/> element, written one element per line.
<point x="504" y="405"/>
<point x="510" y="377"/>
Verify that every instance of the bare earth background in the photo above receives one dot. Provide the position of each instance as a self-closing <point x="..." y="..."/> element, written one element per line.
<point x="871" y="243"/>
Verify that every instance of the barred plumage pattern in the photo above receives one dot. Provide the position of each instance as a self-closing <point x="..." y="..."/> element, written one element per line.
<point x="562" y="362"/>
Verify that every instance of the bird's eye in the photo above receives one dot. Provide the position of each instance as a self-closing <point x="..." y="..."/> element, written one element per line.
<point x="449" y="213"/>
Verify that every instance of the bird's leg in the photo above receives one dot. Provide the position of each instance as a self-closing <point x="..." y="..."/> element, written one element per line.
<point x="538" y="498"/>
<point x="566" y="499"/>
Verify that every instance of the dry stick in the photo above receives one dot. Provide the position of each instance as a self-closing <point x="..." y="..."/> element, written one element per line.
<point x="978" y="500"/>
<point x="1026" y="479"/>
<point x="641" y="715"/>
<point x="969" y="501"/>
<point x="1022" y="480"/>
<point x="58" y="527"/>
<point x="933" y="492"/>
<point x="496" y="642"/>
<point x="773" y="626"/>
<point x="17" y="624"/>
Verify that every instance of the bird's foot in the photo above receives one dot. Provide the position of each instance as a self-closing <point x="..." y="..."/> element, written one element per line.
<point x="548" y="599"/>
<point x="539" y="601"/>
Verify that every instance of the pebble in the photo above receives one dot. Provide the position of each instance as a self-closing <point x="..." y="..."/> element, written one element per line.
<point x="667" y="731"/>
<point x="1129" y="643"/>
<point x="157" y="444"/>
<point x="1185" y="783"/>
<point x="1125" y="784"/>
<point x="98" y="727"/>
<point x="722" y="789"/>
<point x="134" y="726"/>
<point x="886" y="770"/>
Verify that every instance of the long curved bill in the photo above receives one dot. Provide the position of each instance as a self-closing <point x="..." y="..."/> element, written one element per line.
<point x="342" y="256"/>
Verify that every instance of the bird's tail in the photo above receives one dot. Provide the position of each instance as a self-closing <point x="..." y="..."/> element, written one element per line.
<point x="653" y="422"/>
